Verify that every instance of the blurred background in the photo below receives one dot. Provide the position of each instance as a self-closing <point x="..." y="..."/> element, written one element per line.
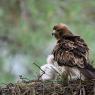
<point x="25" y="32"/>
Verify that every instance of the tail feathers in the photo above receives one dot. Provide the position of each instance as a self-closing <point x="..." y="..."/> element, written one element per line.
<point x="90" y="67"/>
<point x="88" y="71"/>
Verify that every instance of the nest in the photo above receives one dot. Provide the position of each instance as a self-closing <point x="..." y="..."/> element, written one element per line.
<point x="36" y="87"/>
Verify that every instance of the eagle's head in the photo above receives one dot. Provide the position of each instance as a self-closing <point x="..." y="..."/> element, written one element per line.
<point x="61" y="30"/>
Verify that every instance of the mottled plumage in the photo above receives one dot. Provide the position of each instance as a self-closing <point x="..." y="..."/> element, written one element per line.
<point x="72" y="51"/>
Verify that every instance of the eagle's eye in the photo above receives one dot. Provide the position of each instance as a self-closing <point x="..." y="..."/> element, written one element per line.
<point x="60" y="29"/>
<point x="60" y="32"/>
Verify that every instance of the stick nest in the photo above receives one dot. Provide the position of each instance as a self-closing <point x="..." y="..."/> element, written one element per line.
<point x="36" y="87"/>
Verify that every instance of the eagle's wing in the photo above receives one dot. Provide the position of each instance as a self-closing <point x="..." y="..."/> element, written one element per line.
<point x="71" y="51"/>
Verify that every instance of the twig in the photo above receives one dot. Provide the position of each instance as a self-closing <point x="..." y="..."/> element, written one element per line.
<point x="38" y="67"/>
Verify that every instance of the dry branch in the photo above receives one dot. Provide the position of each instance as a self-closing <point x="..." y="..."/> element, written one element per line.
<point x="36" y="87"/>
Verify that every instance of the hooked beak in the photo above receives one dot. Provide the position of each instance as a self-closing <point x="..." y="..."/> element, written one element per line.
<point x="53" y="33"/>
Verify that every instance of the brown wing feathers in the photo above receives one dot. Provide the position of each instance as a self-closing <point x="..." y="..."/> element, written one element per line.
<point x="71" y="52"/>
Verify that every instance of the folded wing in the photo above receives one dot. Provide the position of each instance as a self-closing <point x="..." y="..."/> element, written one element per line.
<point x="71" y="51"/>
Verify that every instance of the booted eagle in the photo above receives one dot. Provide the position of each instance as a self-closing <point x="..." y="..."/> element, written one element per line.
<point x="72" y="52"/>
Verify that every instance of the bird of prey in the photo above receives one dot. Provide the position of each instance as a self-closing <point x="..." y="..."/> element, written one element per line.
<point x="71" y="51"/>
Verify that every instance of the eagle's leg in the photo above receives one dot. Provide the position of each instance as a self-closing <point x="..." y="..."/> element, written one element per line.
<point x="80" y="81"/>
<point x="80" y="77"/>
<point x="69" y="76"/>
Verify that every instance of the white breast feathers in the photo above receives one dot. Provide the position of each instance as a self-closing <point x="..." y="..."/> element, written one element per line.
<point x="51" y="70"/>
